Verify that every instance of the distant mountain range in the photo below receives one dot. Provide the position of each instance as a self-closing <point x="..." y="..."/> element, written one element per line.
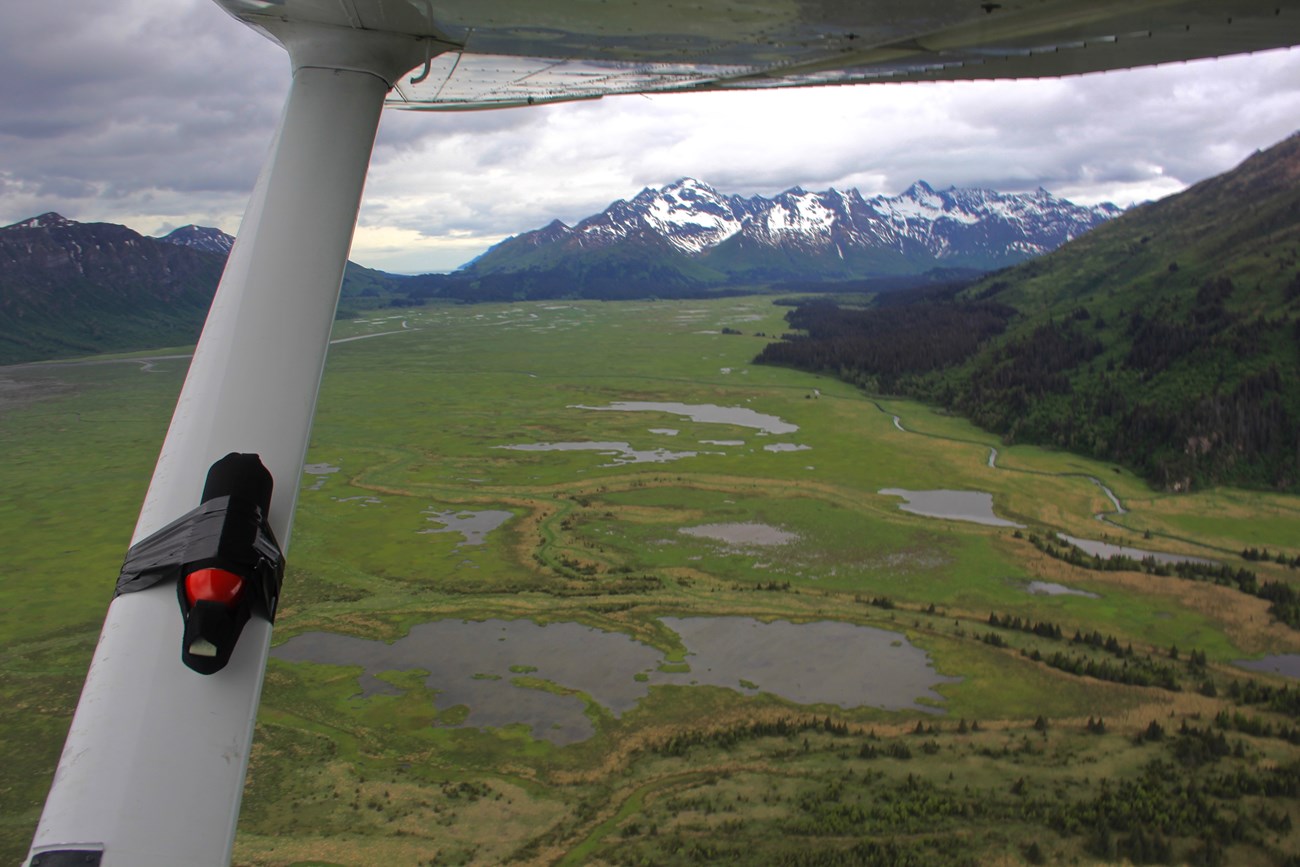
<point x="687" y="233"/>
<point x="69" y="288"/>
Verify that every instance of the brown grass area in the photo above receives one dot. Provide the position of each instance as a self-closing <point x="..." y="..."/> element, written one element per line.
<point x="1244" y="619"/>
<point x="646" y="738"/>
<point x="1278" y="505"/>
<point x="1163" y="707"/>
<point x="655" y="515"/>
<point x="412" y="824"/>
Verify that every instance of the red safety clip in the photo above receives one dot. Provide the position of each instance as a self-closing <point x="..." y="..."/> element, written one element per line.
<point x="214" y="585"/>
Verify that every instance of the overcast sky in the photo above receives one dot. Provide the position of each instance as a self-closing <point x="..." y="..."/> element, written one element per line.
<point x="109" y="112"/>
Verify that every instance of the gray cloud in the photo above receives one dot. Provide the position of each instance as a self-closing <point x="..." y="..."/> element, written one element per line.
<point x="110" y="111"/>
<point x="124" y="114"/>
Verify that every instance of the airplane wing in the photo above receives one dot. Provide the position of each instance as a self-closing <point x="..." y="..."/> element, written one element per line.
<point x="497" y="53"/>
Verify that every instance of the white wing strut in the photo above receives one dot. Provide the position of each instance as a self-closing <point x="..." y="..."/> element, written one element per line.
<point x="153" y="768"/>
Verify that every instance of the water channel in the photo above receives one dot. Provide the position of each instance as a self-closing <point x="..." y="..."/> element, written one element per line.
<point x="1105" y="549"/>
<point x="1286" y="664"/>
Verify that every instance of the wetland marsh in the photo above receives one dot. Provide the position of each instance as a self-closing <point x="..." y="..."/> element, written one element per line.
<point x="674" y="662"/>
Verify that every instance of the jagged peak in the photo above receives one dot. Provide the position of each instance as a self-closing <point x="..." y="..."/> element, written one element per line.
<point x="687" y="183"/>
<point x="684" y="187"/>
<point x="48" y="220"/>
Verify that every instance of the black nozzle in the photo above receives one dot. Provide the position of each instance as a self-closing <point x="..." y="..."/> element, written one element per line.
<point x="241" y="476"/>
<point x="211" y="630"/>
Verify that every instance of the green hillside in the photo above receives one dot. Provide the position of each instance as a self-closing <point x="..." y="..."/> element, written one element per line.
<point x="70" y="289"/>
<point x="1168" y="339"/>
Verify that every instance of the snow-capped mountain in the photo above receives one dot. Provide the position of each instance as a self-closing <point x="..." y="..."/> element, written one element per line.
<point x="807" y="234"/>
<point x="693" y="217"/>
<point x="200" y="238"/>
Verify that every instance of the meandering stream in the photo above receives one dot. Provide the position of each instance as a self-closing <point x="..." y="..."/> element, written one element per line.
<point x="1105" y="517"/>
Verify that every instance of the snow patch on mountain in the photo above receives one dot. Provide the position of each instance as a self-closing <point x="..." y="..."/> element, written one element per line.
<point x="49" y="220"/>
<point x="200" y="238"/>
<point x="802" y="213"/>
<point x="977" y="228"/>
<point x="691" y="216"/>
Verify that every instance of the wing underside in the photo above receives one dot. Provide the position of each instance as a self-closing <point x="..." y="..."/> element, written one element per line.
<point x="489" y="53"/>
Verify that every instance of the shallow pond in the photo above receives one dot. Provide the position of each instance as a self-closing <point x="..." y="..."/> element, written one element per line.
<point x="321" y="470"/>
<point x="472" y="526"/>
<point x="472" y="664"/>
<point x="1105" y="549"/>
<point x="1287" y="664"/>
<point x="1048" y="588"/>
<point x="747" y="534"/>
<point x="975" y="506"/>
<point x="703" y="412"/>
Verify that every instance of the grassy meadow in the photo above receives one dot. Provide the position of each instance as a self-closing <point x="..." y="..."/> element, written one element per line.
<point x="1009" y="766"/>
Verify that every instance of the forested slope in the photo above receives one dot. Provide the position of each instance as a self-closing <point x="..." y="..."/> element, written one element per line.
<point x="1168" y="339"/>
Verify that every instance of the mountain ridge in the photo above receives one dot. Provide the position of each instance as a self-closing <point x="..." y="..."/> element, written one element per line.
<point x="798" y="234"/>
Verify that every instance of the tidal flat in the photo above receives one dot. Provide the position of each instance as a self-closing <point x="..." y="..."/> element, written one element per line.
<point x="1085" y="750"/>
